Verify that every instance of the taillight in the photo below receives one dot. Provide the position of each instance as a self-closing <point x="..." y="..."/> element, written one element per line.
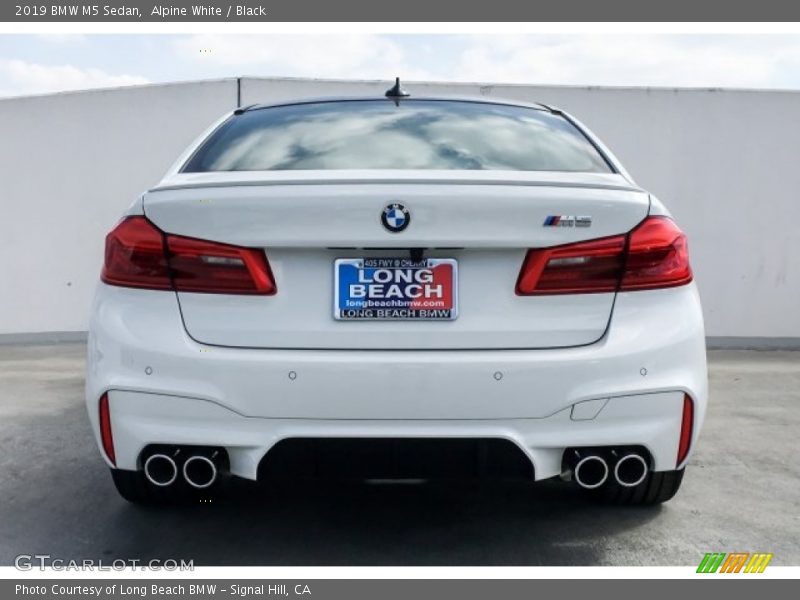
<point x="653" y="255"/>
<point x="200" y="266"/>
<point x="135" y="256"/>
<point x="105" y="429"/>
<point x="140" y="255"/>
<point x="687" y="424"/>
<point x="658" y="256"/>
<point x="581" y="268"/>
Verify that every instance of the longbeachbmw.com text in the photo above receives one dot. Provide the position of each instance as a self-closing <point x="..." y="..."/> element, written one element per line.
<point x="159" y="590"/>
<point x="161" y="11"/>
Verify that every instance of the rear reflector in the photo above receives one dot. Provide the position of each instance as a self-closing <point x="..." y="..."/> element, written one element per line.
<point x="140" y="255"/>
<point x="687" y="424"/>
<point x="105" y="429"/>
<point x="653" y="255"/>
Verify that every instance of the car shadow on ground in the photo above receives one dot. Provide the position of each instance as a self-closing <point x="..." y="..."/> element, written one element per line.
<point x="342" y="522"/>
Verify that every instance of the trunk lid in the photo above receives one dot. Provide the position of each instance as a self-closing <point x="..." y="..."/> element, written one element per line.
<point x="485" y="221"/>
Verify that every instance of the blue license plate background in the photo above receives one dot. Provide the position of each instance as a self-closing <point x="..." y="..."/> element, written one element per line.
<point x="395" y="289"/>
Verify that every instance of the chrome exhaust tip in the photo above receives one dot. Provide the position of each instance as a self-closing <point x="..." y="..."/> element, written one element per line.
<point x="630" y="470"/>
<point x="160" y="470"/>
<point x="591" y="471"/>
<point x="200" y="471"/>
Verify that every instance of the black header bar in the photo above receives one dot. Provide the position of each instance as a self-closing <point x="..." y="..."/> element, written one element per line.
<point x="49" y="11"/>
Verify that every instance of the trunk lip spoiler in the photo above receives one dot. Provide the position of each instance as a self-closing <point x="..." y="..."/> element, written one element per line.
<point x="256" y="178"/>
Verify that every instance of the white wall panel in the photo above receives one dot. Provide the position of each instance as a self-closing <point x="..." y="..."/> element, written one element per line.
<point x="69" y="166"/>
<point x="725" y="162"/>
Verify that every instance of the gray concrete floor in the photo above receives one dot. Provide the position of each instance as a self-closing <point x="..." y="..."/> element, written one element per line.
<point x="740" y="493"/>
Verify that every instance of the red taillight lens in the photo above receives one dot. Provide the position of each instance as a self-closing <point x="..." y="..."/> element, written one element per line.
<point x="658" y="256"/>
<point x="105" y="429"/>
<point x="138" y="254"/>
<point x="687" y="424"/>
<point x="654" y="255"/>
<point x="200" y="266"/>
<point x="592" y="266"/>
<point x="135" y="256"/>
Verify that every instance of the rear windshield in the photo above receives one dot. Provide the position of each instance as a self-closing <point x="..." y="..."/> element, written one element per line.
<point x="378" y="134"/>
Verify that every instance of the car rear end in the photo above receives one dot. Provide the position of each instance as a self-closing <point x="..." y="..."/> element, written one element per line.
<point x="356" y="276"/>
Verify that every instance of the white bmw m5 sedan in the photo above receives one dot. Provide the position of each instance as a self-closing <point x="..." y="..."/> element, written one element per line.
<point x="397" y="288"/>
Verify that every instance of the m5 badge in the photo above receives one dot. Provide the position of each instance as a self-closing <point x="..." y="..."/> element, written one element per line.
<point x="567" y="221"/>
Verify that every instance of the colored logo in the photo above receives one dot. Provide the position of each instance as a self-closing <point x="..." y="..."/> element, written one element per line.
<point x="735" y="562"/>
<point x="567" y="221"/>
<point x="395" y="218"/>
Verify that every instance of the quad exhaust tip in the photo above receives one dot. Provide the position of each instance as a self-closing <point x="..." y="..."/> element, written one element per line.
<point x="592" y="468"/>
<point x="200" y="471"/>
<point x="630" y="470"/>
<point x="160" y="470"/>
<point x="591" y="471"/>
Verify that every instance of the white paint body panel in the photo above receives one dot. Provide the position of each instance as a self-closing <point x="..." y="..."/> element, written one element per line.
<point x="245" y="400"/>
<point x="448" y="209"/>
<point x="301" y="314"/>
<point x="486" y="221"/>
<point x="246" y="372"/>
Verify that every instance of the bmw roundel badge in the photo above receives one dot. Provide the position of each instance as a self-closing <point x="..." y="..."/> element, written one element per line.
<point x="395" y="217"/>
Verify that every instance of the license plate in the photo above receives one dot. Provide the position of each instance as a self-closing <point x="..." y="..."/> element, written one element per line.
<point x="387" y="289"/>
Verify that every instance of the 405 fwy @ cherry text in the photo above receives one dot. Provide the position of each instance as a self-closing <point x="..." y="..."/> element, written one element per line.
<point x="160" y="590"/>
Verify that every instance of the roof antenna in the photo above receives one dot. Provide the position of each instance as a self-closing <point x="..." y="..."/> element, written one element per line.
<point x="397" y="91"/>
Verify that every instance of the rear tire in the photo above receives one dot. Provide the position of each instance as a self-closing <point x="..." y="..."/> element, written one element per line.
<point x="657" y="487"/>
<point x="133" y="486"/>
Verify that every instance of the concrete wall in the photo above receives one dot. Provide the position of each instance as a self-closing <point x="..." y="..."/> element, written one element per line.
<point x="725" y="162"/>
<point x="69" y="165"/>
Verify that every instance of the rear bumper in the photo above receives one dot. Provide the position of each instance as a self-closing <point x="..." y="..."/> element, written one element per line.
<point x="166" y="388"/>
<point x="651" y="420"/>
